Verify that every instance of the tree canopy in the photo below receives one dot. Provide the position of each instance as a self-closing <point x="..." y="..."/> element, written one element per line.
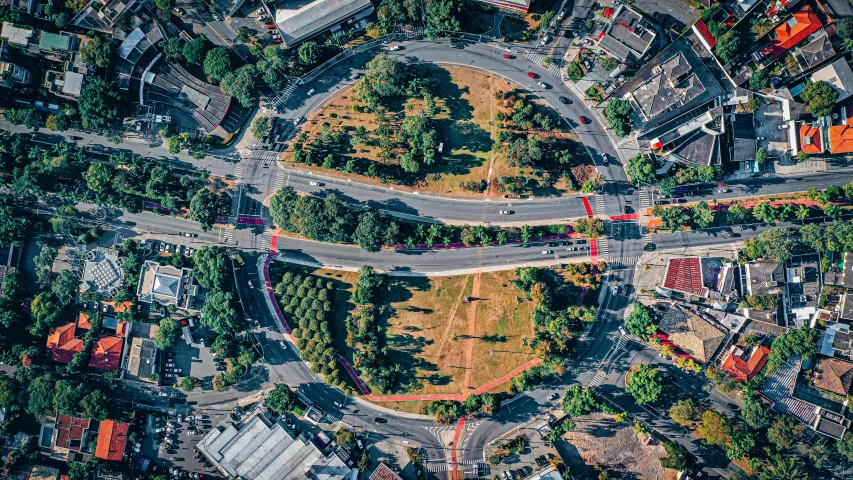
<point x="640" y="322"/>
<point x="211" y="267"/>
<point x="194" y="50"/>
<point x="641" y="168"/>
<point x="820" y="97"/>
<point x="217" y="63"/>
<point x="728" y="46"/>
<point x="203" y="208"/>
<point x="100" y="105"/>
<point x="281" y="399"/>
<point x="645" y="384"/>
<point x="618" y="114"/>
<point x="242" y="84"/>
<point x="219" y="314"/>
<point x="99" y="51"/>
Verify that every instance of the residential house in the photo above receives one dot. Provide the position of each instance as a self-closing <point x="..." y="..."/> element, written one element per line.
<point x="837" y="340"/>
<point x="11" y="74"/>
<point x="41" y="472"/>
<point x="112" y="439"/>
<point x="811" y="138"/>
<point x="744" y="363"/>
<point x="694" y="335"/>
<point x="66" y="341"/>
<point x="382" y="472"/>
<point x="685" y="275"/>
<point x="627" y="37"/>
<point x="788" y="35"/>
<point x="841" y="134"/>
<point x="839" y="76"/>
<point x="68" y="439"/>
<point x="834" y="375"/>
<point x="845" y="307"/>
<point x="166" y="285"/>
<point x="106" y="353"/>
<point x="764" y="277"/>
<point x="843" y="275"/>
<point x="16" y="35"/>
<point x="815" y="52"/>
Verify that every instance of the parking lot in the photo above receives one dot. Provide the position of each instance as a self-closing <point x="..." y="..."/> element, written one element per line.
<point x="169" y="441"/>
<point x="192" y="360"/>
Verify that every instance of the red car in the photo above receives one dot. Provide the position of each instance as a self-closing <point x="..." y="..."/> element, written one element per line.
<point x="270" y="27"/>
<point x="583" y="120"/>
<point x="276" y="40"/>
<point x="531" y="74"/>
<point x="506" y="55"/>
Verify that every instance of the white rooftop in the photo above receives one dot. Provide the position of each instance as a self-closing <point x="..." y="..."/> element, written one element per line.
<point x="18" y="36"/>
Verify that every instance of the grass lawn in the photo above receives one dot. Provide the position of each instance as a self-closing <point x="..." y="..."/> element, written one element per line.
<point x="466" y="106"/>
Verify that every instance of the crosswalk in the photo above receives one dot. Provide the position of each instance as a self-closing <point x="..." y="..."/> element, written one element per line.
<point x="284" y="94"/>
<point x="263" y="157"/>
<point x="465" y="465"/>
<point x="538" y="57"/>
<point x="645" y="198"/>
<point x="266" y="240"/>
<point x="603" y="247"/>
<point x="279" y="180"/>
<point x="622" y="262"/>
<point x="599" y="205"/>
<point x="227" y="233"/>
<point x="415" y="32"/>
<point x="604" y="367"/>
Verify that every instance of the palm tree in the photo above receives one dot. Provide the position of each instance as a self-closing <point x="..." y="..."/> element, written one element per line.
<point x="434" y="231"/>
<point x="803" y="212"/>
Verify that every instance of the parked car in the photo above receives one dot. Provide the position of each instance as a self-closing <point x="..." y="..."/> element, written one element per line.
<point x="282" y="344"/>
<point x="547" y="252"/>
<point x="338" y="404"/>
<point x="270" y="27"/>
<point x="216" y="17"/>
<point x="506" y="212"/>
<point x="564" y="100"/>
<point x="583" y="120"/>
<point x="276" y="40"/>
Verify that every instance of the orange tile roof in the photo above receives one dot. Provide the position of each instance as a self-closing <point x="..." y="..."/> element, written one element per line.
<point x="70" y="431"/>
<point x="834" y="375"/>
<point x="745" y="369"/>
<point x="112" y="438"/>
<point x="791" y="32"/>
<point x="841" y="136"/>
<point x="813" y="134"/>
<point x="121" y="329"/>
<point x="106" y="353"/>
<point x="84" y="322"/>
<point x="62" y="343"/>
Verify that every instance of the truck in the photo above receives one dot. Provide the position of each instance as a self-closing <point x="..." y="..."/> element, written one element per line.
<point x="239" y="259"/>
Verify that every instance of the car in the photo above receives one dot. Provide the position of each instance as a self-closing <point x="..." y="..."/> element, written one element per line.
<point x="565" y="243"/>
<point x="190" y="235"/>
<point x="733" y="406"/>
<point x="216" y="17"/>
<point x="170" y="430"/>
<point x="615" y="290"/>
<point x="604" y="158"/>
<point x="163" y="394"/>
<point x="622" y="330"/>
<point x="723" y="190"/>
<point x="547" y="252"/>
<point x="564" y="100"/>
<point x="261" y="11"/>
<point x="317" y="184"/>
<point x="282" y="344"/>
<point x="160" y="430"/>
<point x="251" y="285"/>
<point x="338" y="404"/>
<point x="506" y="212"/>
<point x="161" y="247"/>
<point x="180" y="11"/>
<point x="650" y="247"/>
<point x="176" y="459"/>
<point x="733" y="235"/>
<point x="171" y="424"/>
<point x="380" y="420"/>
<point x="627" y="209"/>
<point x="583" y="120"/>
<point x="581" y="242"/>
<point x="544" y="85"/>
<point x="297" y="120"/>
<point x="506" y="55"/>
<point x="553" y="396"/>
<point x="270" y="27"/>
<point x="276" y="40"/>
<point x="531" y="74"/>
<point x="545" y="40"/>
<point x="170" y="364"/>
<point x="552" y="244"/>
<point x="395" y="48"/>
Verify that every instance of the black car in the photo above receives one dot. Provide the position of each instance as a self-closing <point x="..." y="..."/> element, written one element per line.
<point x="380" y="420"/>
<point x="552" y="244"/>
<point x="649" y="247"/>
<point x="564" y="100"/>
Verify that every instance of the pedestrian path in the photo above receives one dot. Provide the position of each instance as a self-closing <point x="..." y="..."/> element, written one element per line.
<point x="284" y="94"/>
<point x="599" y="205"/>
<point x="604" y="367"/>
<point x="622" y="262"/>
<point x="538" y="57"/>
<point x="227" y="233"/>
<point x="587" y="206"/>
<point x="645" y="199"/>
<point x="603" y="247"/>
<point x="238" y="171"/>
<point x="466" y="465"/>
<point x="264" y="157"/>
<point x="266" y="240"/>
<point x="279" y="180"/>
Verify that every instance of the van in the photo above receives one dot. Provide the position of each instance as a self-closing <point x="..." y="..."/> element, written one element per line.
<point x="239" y="259"/>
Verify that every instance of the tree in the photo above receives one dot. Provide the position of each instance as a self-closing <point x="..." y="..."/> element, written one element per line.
<point x="211" y="267"/>
<point x="281" y="399"/>
<point x="68" y="396"/>
<point x="684" y="411"/>
<point x="12" y="226"/>
<point x="753" y="248"/>
<point x="172" y="48"/>
<point x="370" y="231"/>
<point x="640" y="322"/>
<point x="785" y="430"/>
<point x="99" y="177"/>
<point x="758" y="80"/>
<point x="166" y="334"/>
<point x="761" y="155"/>
<point x="703" y="216"/>
<point x="677" y="457"/>
<point x="441" y="17"/>
<point x="64" y="287"/>
<point x="194" y="50"/>
<point x="591" y="227"/>
<point x="645" y="384"/>
<point x="309" y="54"/>
<point x="217" y="63"/>
<point x="765" y="212"/>
<point x="242" y="85"/>
<point x="801" y="342"/>
<point x="444" y="412"/>
<point x="819" y="97"/>
<point x="385" y="77"/>
<point x="45" y="312"/>
<point x="189" y="383"/>
<point x="715" y="428"/>
<point x="24" y="116"/>
<point x="728" y="46"/>
<point x="243" y="34"/>
<point x="641" y="168"/>
<point x="99" y="51"/>
<point x="672" y="218"/>
<point x="40" y="396"/>
<point x="281" y="205"/>
<point x="736" y="214"/>
<point x="755" y="412"/>
<point x="577" y="402"/>
<point x="777" y="244"/>
<point x="219" y="314"/>
<point x="741" y="444"/>
<point x="618" y="114"/>
<point x="100" y="105"/>
<point x="96" y="405"/>
<point x="260" y="126"/>
<point x="203" y="208"/>
<point x="165" y="5"/>
<point x="8" y="392"/>
<point x="844" y="28"/>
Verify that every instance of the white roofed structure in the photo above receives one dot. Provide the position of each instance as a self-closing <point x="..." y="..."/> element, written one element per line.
<point x="300" y="20"/>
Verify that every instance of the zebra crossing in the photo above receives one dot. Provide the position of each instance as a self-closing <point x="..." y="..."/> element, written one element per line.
<point x="283" y="94"/>
<point x="238" y="171"/>
<point x="603" y="247"/>
<point x="538" y="57"/>
<point x="465" y="465"/>
<point x="604" y="367"/>
<point x="415" y="32"/>
<point x="279" y="180"/>
<point x="622" y="262"/>
<point x="263" y="156"/>
<point x="266" y="240"/>
<point x="599" y="204"/>
<point x="227" y="233"/>
<point x="645" y="198"/>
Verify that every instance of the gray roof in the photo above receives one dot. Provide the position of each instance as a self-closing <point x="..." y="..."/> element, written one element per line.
<point x="743" y="132"/>
<point x="73" y="84"/>
<point x="764" y="277"/>
<point x="673" y="85"/>
<point x="816" y="52"/>
<point x="130" y="42"/>
<point x="166" y="285"/>
<point x="141" y="362"/>
<point x="310" y="19"/>
<point x="839" y="75"/>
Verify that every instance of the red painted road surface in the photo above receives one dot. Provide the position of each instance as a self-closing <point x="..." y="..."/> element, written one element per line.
<point x="459" y="427"/>
<point x="630" y="216"/>
<point x="273" y="246"/>
<point x="593" y="249"/>
<point x="587" y="206"/>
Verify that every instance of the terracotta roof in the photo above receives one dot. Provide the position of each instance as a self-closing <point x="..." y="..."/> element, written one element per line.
<point x="122" y="328"/>
<point x="106" y="353"/>
<point x="834" y="375"/>
<point x="684" y="275"/>
<point x="383" y="473"/>
<point x="841" y="136"/>
<point x="810" y="139"/>
<point x="706" y="34"/>
<point x="112" y="438"/>
<point x="698" y="337"/>
<point x="84" y="322"/>
<point x="62" y="343"/>
<point x="791" y="32"/>
<point x="743" y="365"/>
<point x="70" y="431"/>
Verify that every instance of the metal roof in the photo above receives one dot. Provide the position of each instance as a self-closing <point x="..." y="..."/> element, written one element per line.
<point x="314" y="17"/>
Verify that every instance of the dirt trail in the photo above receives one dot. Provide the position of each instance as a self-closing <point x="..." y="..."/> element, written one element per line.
<point x="472" y="329"/>
<point x="493" y="155"/>
<point x="450" y="318"/>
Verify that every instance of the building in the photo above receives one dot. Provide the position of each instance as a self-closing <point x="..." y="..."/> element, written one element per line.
<point x="693" y="140"/>
<point x="511" y="5"/>
<point x="66" y="341"/>
<point x="843" y="276"/>
<point x="166" y="285"/>
<point x="69" y="438"/>
<point x="40" y="472"/>
<point x="811" y="138"/>
<point x="694" y="335"/>
<point x="141" y="363"/>
<point x="28" y="6"/>
<point x="11" y="75"/>
<point x="834" y="375"/>
<point x="815" y="52"/>
<point x="55" y="42"/>
<point x="693" y="277"/>
<point x="384" y="473"/>
<point x="743" y="363"/>
<point x="841" y="134"/>
<point x="764" y="277"/>
<point x="15" y="35"/>
<point x="101" y="15"/>
<point x="112" y="439"/>
<point x="627" y="37"/>
<point x="548" y="473"/>
<point x="744" y="146"/>
<point x="685" y="275"/>
<point x="106" y="353"/>
<point x="837" y="340"/>
<point x="788" y="35"/>
<point x="838" y="75"/>
<point x="298" y="21"/>
<point x="260" y="448"/>
<point x="103" y="272"/>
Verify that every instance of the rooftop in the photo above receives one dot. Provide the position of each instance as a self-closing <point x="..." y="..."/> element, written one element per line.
<point x="71" y="432"/>
<point x="839" y="75"/>
<point x="744" y="364"/>
<point x="300" y="19"/>
<point x="165" y="285"/>
<point x="625" y="38"/>
<point x="815" y="52"/>
<point x="763" y="277"/>
<point x="384" y="473"/>
<point x="810" y="139"/>
<point x="106" y="353"/>
<point x="791" y="32"/>
<point x="54" y="42"/>
<point x="684" y="275"/>
<point x="743" y="133"/>
<point x="142" y="359"/>
<point x="102" y="271"/>
<point x="691" y="333"/>
<point x="63" y="344"/>
<point x="841" y="136"/>
<point x="41" y="472"/>
<point x="15" y="35"/>
<point x="112" y="437"/>
<point x="834" y="375"/>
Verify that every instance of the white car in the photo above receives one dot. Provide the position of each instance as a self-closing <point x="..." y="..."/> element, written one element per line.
<point x="163" y="394"/>
<point x="316" y="184"/>
<point x="547" y="252"/>
<point x="545" y="40"/>
<point x="506" y="212"/>
<point x="298" y="120"/>
<point x="216" y="17"/>
<point x="395" y="48"/>
<point x="622" y="330"/>
<point x="282" y="344"/>
<point x="260" y="11"/>
<point x="338" y="404"/>
<point x="541" y="84"/>
<point x="160" y="430"/>
<point x="251" y="285"/>
<point x="615" y="290"/>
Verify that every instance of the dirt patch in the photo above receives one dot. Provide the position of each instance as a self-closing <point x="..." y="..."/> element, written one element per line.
<point x="599" y="440"/>
<point x="583" y="173"/>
